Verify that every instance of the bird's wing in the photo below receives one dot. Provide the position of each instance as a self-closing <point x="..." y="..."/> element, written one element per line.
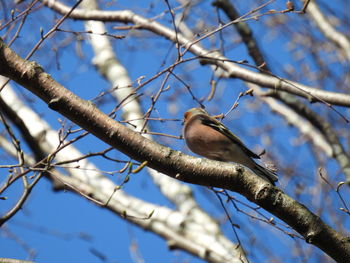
<point x="224" y="130"/>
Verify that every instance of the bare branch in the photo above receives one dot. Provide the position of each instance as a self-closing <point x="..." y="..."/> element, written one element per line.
<point x="338" y="38"/>
<point x="232" y="69"/>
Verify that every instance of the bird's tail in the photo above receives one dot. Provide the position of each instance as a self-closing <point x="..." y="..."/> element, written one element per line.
<point x="265" y="173"/>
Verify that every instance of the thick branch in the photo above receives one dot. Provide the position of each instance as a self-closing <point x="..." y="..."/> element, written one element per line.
<point x="173" y="163"/>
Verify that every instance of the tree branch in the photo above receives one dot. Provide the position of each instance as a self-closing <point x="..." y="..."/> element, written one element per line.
<point x="232" y="69"/>
<point x="338" y="38"/>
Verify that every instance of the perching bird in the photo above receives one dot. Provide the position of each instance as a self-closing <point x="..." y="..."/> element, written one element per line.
<point x="208" y="137"/>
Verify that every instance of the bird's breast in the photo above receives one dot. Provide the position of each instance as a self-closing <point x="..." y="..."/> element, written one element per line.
<point x="209" y="144"/>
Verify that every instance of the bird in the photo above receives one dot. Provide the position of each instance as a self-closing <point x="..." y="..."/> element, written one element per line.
<point x="206" y="136"/>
